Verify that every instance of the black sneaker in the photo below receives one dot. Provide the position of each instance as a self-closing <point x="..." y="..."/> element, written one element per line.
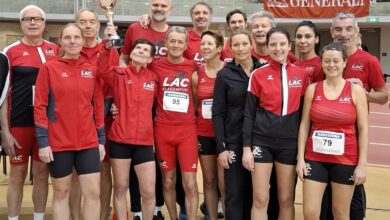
<point x="159" y="216"/>
<point x="203" y="209"/>
<point x="137" y="218"/>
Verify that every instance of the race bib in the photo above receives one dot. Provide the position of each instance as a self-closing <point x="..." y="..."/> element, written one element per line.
<point x="206" y="108"/>
<point x="328" y="142"/>
<point x="176" y="101"/>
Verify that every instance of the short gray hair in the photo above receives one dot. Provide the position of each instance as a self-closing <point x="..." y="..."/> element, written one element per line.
<point x="264" y="14"/>
<point x="77" y="16"/>
<point x="345" y="15"/>
<point x="31" y="7"/>
<point x="177" y="29"/>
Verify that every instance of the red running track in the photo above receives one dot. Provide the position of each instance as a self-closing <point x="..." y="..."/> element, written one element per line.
<point x="379" y="135"/>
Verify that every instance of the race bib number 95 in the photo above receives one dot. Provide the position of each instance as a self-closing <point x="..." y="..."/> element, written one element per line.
<point x="176" y="101"/>
<point x="328" y="142"/>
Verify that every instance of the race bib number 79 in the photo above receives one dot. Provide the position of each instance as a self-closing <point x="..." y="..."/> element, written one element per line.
<point x="328" y="142"/>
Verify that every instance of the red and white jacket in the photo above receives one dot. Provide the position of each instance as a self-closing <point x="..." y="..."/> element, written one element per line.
<point x="68" y="108"/>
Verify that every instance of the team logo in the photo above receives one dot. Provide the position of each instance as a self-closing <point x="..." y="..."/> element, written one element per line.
<point x="129" y="81"/>
<point x="179" y="81"/>
<point x="233" y="156"/>
<point x="17" y="158"/>
<point x="163" y="164"/>
<point x="308" y="169"/>
<point x="161" y="50"/>
<point x="198" y="58"/>
<point x="194" y="166"/>
<point x="257" y="152"/>
<point x="202" y="80"/>
<point x="346" y="99"/>
<point x="357" y="67"/>
<point x="64" y="75"/>
<point x="49" y="51"/>
<point x="86" y="74"/>
<point x="149" y="86"/>
<point x="310" y="68"/>
<point x="270" y="77"/>
<point x="25" y="53"/>
<point x="295" y="82"/>
<point x="318" y="98"/>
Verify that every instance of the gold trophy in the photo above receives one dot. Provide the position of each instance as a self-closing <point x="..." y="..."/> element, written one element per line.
<point x="107" y="5"/>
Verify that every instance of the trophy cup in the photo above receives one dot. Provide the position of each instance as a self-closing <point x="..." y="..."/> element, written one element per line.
<point x="107" y="5"/>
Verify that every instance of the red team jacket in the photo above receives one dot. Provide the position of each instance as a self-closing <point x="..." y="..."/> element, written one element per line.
<point x="134" y="92"/>
<point x="273" y="103"/>
<point x="68" y="108"/>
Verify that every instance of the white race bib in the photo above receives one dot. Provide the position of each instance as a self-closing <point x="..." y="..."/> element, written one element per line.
<point x="328" y="142"/>
<point x="176" y="101"/>
<point x="206" y="108"/>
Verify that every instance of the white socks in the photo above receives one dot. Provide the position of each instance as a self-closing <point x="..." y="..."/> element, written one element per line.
<point x="157" y="209"/>
<point x="13" y="218"/>
<point x="137" y="214"/>
<point x="39" y="216"/>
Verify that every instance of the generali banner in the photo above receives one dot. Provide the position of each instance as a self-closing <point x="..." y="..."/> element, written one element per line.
<point x="316" y="8"/>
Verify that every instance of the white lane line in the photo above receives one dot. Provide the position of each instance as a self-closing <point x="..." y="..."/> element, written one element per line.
<point x="378" y="165"/>
<point x="380" y="113"/>
<point x="380" y="144"/>
<point x="376" y="126"/>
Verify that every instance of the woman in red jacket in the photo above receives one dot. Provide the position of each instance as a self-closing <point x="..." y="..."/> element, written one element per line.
<point x="131" y="134"/>
<point x="69" y="124"/>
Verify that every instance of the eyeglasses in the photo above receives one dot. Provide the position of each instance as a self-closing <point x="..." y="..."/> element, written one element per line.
<point x="30" y="19"/>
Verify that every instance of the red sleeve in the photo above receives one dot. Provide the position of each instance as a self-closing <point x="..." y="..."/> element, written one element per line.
<point x="291" y="57"/>
<point x="128" y="41"/>
<point x="98" y="105"/>
<point x="41" y="99"/>
<point x="375" y="79"/>
<point x="104" y="67"/>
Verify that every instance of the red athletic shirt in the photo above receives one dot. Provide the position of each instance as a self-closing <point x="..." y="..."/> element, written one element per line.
<point x="174" y="94"/>
<point x="338" y="116"/>
<point x="227" y="54"/>
<point x="25" y="61"/>
<point x="68" y="106"/>
<point x="313" y="68"/>
<point x="365" y="67"/>
<point x="193" y="49"/>
<point x="205" y="101"/>
<point x="135" y="32"/>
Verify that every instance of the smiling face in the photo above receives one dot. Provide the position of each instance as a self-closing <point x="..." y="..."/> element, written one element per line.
<point x="141" y="54"/>
<point x="260" y="26"/>
<point x="176" y="43"/>
<point x="305" y="39"/>
<point x="32" y="27"/>
<point x="209" y="48"/>
<point x="333" y="63"/>
<point x="236" y="22"/>
<point x="278" y="47"/>
<point x="201" y="17"/>
<point x="344" y="32"/>
<point x="241" y="47"/>
<point x="159" y="10"/>
<point x="71" y="41"/>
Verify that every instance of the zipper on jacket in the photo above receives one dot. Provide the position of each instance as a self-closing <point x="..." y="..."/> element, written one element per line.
<point x="284" y="89"/>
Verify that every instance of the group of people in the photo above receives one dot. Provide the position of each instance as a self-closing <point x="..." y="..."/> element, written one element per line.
<point x="254" y="115"/>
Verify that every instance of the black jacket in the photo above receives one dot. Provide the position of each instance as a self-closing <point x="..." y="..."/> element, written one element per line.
<point x="229" y="104"/>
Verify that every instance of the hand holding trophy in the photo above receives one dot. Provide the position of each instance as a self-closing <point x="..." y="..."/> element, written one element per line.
<point x="107" y="6"/>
